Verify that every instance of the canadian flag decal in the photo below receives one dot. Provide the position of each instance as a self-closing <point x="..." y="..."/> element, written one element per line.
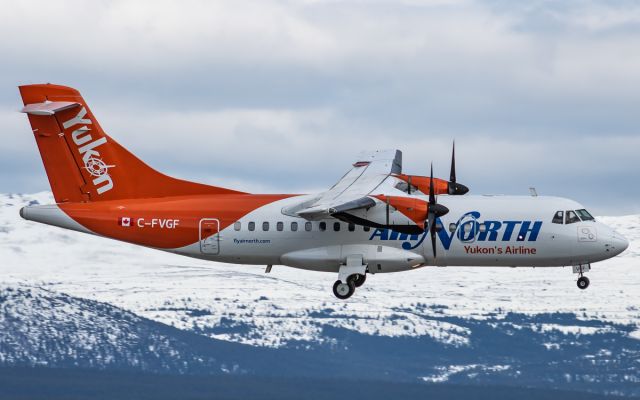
<point x="124" y="221"/>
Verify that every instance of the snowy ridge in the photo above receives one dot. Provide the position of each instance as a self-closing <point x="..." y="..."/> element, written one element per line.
<point x="44" y="328"/>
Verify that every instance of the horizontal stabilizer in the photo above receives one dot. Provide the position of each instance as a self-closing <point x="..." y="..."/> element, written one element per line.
<point x="48" y="107"/>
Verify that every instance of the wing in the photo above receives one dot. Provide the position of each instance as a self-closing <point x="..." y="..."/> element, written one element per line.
<point x="368" y="175"/>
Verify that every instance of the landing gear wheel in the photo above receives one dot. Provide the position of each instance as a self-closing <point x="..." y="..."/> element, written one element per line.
<point x="344" y="290"/>
<point x="358" y="279"/>
<point x="583" y="282"/>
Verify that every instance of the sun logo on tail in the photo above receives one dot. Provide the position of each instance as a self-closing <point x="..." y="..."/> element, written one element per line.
<point x="97" y="167"/>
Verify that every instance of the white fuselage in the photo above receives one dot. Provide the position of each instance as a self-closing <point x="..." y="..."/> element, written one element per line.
<point x="481" y="230"/>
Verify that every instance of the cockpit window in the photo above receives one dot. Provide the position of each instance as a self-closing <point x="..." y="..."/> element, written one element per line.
<point x="571" y="217"/>
<point x="558" y="217"/>
<point x="584" y="215"/>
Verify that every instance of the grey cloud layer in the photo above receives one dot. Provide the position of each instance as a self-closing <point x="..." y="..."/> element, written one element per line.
<point x="280" y="96"/>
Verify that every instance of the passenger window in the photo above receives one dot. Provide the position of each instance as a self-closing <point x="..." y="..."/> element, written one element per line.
<point x="280" y="226"/>
<point x="322" y="226"/>
<point x="482" y="227"/>
<point x="252" y="226"/>
<point x="557" y="219"/>
<point x="571" y="217"/>
<point x="452" y="227"/>
<point x="294" y="226"/>
<point x="308" y="226"/>
<point x="585" y="215"/>
<point x="366" y="228"/>
<point x="237" y="226"/>
<point x="352" y="227"/>
<point x="336" y="226"/>
<point x="265" y="226"/>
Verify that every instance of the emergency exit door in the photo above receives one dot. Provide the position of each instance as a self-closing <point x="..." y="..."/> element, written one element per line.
<point x="209" y="236"/>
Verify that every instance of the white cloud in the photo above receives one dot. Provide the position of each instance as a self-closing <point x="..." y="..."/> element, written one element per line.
<point x="283" y="94"/>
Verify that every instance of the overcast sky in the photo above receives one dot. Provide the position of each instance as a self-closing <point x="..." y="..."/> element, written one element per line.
<point x="280" y="96"/>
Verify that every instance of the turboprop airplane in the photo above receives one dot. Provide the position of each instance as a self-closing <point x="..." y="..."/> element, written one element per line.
<point x="375" y="219"/>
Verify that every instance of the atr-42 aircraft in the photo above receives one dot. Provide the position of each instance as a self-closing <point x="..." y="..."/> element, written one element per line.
<point x="375" y="219"/>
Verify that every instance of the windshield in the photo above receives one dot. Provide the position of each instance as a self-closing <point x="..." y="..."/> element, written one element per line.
<point x="570" y="217"/>
<point x="584" y="215"/>
<point x="558" y="217"/>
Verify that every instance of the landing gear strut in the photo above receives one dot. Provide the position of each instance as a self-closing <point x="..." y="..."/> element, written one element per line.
<point x="583" y="281"/>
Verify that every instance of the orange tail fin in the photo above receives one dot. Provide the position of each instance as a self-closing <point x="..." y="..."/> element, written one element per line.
<point x="82" y="162"/>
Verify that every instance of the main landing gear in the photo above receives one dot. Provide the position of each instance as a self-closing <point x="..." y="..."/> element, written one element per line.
<point x="345" y="290"/>
<point x="583" y="281"/>
<point x="350" y="276"/>
<point x="358" y="279"/>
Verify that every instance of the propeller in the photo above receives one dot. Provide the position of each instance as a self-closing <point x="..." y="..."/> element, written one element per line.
<point x="435" y="210"/>
<point x="454" y="187"/>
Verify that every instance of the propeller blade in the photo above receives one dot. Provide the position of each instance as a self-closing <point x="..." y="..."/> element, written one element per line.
<point x="432" y="231"/>
<point x="432" y="196"/>
<point x="452" y="176"/>
<point x="435" y="210"/>
<point x="454" y="186"/>
<point x="387" y="200"/>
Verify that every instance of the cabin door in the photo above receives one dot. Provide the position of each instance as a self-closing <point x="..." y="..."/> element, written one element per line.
<point x="209" y="236"/>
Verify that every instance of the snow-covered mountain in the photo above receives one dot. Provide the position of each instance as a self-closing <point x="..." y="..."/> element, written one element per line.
<point x="523" y="326"/>
<point x="44" y="328"/>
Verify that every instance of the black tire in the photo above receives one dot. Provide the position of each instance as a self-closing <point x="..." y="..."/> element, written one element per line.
<point x="583" y="282"/>
<point x="339" y="289"/>
<point x="358" y="279"/>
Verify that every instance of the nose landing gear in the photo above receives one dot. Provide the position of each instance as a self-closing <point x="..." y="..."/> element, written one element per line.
<point x="583" y="281"/>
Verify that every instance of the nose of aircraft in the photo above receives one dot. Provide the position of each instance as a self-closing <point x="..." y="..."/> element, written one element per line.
<point x="614" y="243"/>
<point x="618" y="243"/>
